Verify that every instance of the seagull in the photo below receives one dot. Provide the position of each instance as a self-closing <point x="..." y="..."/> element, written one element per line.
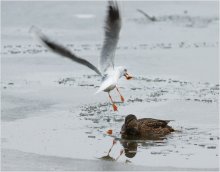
<point x="109" y="73"/>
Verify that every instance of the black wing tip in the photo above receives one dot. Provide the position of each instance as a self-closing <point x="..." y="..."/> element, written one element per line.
<point x="113" y="11"/>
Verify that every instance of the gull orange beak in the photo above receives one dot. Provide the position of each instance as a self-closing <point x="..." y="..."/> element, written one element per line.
<point x="128" y="77"/>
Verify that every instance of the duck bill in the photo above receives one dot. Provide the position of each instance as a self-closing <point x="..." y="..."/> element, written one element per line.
<point x="128" y="77"/>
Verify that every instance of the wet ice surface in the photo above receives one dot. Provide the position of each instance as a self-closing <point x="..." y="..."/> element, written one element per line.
<point x="49" y="106"/>
<point x="80" y="131"/>
<point x="66" y="130"/>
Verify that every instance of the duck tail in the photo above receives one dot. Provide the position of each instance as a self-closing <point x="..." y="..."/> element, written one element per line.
<point x="167" y="121"/>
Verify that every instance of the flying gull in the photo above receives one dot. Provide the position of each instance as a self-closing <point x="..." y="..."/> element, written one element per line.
<point x="107" y="70"/>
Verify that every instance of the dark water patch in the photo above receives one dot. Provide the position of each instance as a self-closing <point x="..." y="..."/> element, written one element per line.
<point x="136" y="88"/>
<point x="38" y="49"/>
<point x="135" y="100"/>
<point x="67" y="80"/>
<point x="70" y="45"/>
<point x="211" y="147"/>
<point x="178" y="20"/>
<point x="85" y="81"/>
<point x="86" y="85"/>
<point x="24" y="108"/>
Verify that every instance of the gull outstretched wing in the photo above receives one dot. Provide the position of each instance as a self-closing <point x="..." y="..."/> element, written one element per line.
<point x="61" y="50"/>
<point x="112" y="30"/>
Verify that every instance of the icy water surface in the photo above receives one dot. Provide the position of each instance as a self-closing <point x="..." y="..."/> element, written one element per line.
<point x="80" y="131"/>
<point x="48" y="103"/>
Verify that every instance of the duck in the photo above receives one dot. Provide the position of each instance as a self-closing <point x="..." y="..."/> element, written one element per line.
<point x="145" y="128"/>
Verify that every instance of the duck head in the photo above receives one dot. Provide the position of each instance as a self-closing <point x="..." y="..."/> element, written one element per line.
<point x="130" y="127"/>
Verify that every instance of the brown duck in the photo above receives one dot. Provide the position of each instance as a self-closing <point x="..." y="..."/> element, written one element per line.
<point x="145" y="128"/>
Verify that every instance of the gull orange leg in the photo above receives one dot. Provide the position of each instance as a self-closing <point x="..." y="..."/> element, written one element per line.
<point x="122" y="98"/>
<point x="121" y="152"/>
<point x="113" y="104"/>
<point x="113" y="143"/>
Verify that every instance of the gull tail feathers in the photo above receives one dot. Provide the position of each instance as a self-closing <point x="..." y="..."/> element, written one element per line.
<point x="98" y="91"/>
<point x="101" y="88"/>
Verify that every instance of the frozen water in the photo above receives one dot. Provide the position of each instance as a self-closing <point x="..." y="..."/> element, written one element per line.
<point x="48" y="103"/>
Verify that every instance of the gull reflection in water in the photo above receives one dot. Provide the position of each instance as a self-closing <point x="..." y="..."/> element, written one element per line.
<point x="108" y="157"/>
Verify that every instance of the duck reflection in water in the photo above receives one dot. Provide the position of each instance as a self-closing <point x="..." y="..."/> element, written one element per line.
<point x="130" y="148"/>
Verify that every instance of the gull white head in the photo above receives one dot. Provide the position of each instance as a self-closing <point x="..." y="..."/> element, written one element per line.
<point x="124" y="72"/>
